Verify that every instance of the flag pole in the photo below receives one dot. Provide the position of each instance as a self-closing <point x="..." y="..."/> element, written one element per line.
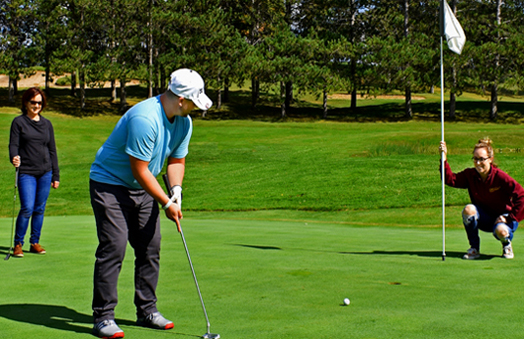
<point x="442" y="154"/>
<point x="456" y="39"/>
<point x="442" y="131"/>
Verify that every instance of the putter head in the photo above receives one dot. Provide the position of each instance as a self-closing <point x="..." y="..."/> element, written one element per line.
<point x="8" y="254"/>
<point x="211" y="336"/>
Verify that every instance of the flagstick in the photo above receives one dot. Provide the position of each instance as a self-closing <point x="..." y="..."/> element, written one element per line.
<point x="442" y="153"/>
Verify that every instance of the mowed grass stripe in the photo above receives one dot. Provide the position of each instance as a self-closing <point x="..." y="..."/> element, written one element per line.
<point x="315" y="166"/>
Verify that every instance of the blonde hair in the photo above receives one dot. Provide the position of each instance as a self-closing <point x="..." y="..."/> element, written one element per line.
<point x="486" y="143"/>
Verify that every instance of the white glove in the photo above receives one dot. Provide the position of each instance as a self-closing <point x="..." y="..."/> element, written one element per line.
<point x="176" y="195"/>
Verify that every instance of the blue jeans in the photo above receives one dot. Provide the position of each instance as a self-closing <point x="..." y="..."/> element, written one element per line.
<point x="485" y="222"/>
<point x="33" y="193"/>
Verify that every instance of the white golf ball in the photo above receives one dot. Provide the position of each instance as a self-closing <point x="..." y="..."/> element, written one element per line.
<point x="346" y="301"/>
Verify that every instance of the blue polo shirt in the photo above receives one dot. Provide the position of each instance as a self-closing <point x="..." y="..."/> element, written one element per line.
<point x="145" y="133"/>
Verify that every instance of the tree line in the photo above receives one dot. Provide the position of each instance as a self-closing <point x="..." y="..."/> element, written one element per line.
<point x="289" y="46"/>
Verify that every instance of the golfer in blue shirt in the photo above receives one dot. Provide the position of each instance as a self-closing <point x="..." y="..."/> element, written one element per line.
<point x="125" y="196"/>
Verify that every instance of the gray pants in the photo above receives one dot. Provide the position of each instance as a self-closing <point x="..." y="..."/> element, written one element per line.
<point x="124" y="214"/>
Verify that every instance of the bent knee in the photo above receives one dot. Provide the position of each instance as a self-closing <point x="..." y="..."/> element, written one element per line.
<point x="502" y="231"/>
<point x="469" y="210"/>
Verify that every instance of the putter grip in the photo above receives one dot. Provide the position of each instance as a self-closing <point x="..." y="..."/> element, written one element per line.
<point x="168" y="185"/>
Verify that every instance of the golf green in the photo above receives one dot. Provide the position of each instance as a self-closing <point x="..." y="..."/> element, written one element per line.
<point x="275" y="279"/>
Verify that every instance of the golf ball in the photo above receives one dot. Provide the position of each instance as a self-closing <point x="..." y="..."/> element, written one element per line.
<point x="346" y="301"/>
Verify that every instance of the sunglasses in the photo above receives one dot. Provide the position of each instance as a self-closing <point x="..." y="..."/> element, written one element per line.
<point x="35" y="102"/>
<point x="479" y="160"/>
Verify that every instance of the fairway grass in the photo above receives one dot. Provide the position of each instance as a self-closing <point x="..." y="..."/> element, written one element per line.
<point x="276" y="279"/>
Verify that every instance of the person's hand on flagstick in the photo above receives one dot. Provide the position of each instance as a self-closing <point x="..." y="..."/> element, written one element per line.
<point x="443" y="150"/>
<point x="501" y="219"/>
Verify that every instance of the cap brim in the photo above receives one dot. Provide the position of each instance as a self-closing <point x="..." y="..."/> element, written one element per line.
<point x="203" y="102"/>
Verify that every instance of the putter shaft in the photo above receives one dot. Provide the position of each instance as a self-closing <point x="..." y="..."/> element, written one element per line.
<point x="13" y="219"/>
<point x="208" y="335"/>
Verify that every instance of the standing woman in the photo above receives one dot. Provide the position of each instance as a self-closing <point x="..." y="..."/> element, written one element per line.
<point x="497" y="200"/>
<point x="32" y="151"/>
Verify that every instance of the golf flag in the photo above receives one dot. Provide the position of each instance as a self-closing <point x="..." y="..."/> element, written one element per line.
<point x="451" y="29"/>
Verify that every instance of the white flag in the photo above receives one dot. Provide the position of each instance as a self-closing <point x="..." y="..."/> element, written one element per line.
<point x="452" y="30"/>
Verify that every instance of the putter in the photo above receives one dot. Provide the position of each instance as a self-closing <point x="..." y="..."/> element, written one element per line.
<point x="208" y="334"/>
<point x="13" y="221"/>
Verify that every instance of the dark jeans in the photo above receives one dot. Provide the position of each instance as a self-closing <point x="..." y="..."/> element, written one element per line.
<point x="124" y="215"/>
<point x="485" y="222"/>
<point x="33" y="191"/>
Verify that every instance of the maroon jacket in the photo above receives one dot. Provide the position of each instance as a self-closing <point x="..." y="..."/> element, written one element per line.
<point x="499" y="194"/>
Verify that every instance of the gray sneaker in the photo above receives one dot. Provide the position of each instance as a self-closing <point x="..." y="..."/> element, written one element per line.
<point x="472" y="254"/>
<point x="507" y="251"/>
<point x="155" y="320"/>
<point x="107" y="329"/>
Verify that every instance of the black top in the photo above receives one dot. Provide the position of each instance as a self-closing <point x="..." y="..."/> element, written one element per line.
<point x="34" y="142"/>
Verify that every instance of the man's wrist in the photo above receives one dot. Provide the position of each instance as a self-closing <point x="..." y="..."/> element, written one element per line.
<point x="166" y="206"/>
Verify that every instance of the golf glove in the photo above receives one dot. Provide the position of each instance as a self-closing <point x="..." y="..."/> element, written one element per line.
<point x="176" y="195"/>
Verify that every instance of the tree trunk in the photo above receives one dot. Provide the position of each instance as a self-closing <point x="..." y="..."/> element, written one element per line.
<point x="324" y="104"/>
<point x="47" y="70"/>
<point x="47" y="80"/>
<point x="123" y="97"/>
<point x="283" y="100"/>
<point x="494" y="87"/>
<point x="452" y="105"/>
<point x="73" y="84"/>
<point x="113" y="91"/>
<point x="11" y="91"/>
<point x="494" y="101"/>
<point x="150" y="50"/>
<point x="452" y="95"/>
<point x="82" y="89"/>
<point x="354" y="98"/>
<point x="353" y="64"/>
<point x="288" y="95"/>
<point x="409" y="112"/>
<point x="406" y="18"/>
<point x="219" y="94"/>
<point x="226" y="90"/>
<point x="254" y="92"/>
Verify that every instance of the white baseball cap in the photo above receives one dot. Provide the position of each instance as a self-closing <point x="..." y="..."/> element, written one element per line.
<point x="188" y="84"/>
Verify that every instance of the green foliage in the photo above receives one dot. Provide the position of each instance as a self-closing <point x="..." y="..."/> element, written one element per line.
<point x="63" y="81"/>
<point x="314" y="46"/>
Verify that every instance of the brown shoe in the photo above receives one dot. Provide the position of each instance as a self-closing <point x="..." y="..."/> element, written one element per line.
<point x="36" y="248"/>
<point x="18" y="252"/>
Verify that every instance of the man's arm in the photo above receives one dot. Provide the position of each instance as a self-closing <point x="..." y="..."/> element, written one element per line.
<point x="175" y="170"/>
<point x="147" y="180"/>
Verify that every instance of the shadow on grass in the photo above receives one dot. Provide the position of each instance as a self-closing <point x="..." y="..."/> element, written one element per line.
<point x="60" y="318"/>
<point x="52" y="316"/>
<point x="238" y="107"/>
<point x="430" y="254"/>
<point x="4" y="250"/>
<point x="258" y="247"/>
